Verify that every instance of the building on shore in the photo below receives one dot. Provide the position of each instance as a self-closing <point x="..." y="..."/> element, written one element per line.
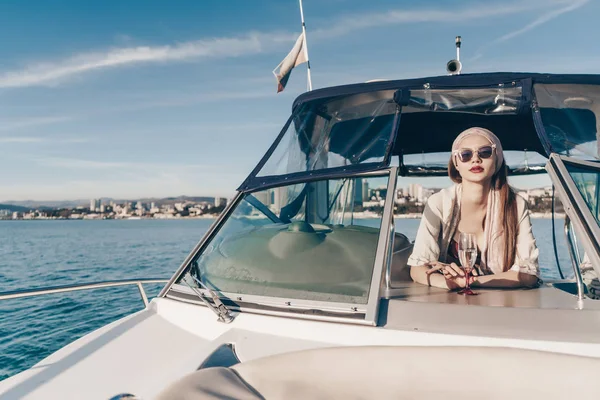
<point x="220" y="201"/>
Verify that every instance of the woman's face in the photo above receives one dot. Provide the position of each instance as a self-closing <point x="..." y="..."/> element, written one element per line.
<point x="476" y="169"/>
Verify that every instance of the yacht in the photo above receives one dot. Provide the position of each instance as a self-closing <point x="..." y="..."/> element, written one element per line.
<point x="290" y="294"/>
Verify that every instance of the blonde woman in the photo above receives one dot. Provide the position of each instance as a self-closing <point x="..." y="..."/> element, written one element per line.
<point x="482" y="203"/>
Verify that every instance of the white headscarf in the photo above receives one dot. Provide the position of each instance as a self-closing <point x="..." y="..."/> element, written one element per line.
<point x="493" y="139"/>
<point x="494" y="246"/>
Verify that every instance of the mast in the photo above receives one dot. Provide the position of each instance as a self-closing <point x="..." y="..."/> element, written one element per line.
<point x="309" y="80"/>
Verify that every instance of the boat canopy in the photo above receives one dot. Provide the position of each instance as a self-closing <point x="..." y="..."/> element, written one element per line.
<point x="312" y="233"/>
<point x="362" y="127"/>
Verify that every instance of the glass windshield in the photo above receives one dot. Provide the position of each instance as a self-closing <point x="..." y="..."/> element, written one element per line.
<point x="344" y="131"/>
<point x="569" y="114"/>
<point x="587" y="180"/>
<point x="311" y="241"/>
<point x="586" y="177"/>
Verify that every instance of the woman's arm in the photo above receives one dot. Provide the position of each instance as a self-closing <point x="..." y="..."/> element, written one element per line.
<point x="426" y="247"/>
<point x="454" y="278"/>
<point x="508" y="279"/>
<point x="420" y="274"/>
<point x="428" y="275"/>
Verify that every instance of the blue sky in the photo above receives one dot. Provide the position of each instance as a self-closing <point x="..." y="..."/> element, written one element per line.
<point x="154" y="98"/>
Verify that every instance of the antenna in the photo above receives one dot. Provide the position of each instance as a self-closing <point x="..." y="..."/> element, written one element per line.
<point x="454" y="66"/>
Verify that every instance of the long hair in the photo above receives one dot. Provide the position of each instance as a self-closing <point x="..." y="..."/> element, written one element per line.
<point x="508" y="201"/>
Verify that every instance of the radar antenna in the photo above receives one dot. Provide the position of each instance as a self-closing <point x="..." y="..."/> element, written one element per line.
<point x="455" y="66"/>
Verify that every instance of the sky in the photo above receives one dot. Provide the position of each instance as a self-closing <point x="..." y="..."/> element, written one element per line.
<point x="146" y="98"/>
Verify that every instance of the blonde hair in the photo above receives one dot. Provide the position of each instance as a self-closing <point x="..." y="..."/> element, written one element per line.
<point x="508" y="209"/>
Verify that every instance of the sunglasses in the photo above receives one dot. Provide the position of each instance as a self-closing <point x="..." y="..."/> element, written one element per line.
<point x="484" y="152"/>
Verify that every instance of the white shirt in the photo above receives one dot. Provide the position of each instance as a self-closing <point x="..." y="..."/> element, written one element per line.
<point x="438" y="226"/>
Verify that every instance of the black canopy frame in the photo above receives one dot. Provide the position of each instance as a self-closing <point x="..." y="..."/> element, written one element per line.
<point x="429" y="131"/>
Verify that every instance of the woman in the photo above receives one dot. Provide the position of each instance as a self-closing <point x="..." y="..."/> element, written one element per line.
<point x="481" y="202"/>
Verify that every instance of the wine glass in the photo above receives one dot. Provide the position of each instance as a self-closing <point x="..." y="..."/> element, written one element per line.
<point x="467" y="253"/>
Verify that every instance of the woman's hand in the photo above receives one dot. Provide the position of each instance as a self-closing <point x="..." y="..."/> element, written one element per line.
<point x="453" y="274"/>
<point x="456" y="283"/>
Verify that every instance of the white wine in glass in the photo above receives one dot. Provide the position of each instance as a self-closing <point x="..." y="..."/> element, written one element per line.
<point x="467" y="252"/>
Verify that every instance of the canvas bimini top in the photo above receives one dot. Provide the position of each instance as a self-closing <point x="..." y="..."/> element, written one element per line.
<point x="362" y="127"/>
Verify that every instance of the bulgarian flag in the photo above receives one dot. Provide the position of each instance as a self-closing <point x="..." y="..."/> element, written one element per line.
<point x="297" y="56"/>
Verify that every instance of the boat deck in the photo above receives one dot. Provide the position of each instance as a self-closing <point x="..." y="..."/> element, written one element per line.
<point x="544" y="313"/>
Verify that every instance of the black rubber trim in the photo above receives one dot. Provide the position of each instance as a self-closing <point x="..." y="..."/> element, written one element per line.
<point x="190" y="298"/>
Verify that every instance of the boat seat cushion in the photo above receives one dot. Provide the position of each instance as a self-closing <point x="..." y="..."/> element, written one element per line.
<point x="214" y="383"/>
<point x="395" y="372"/>
<point x="400" y="271"/>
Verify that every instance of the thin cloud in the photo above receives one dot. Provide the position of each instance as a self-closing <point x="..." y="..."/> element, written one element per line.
<point x="176" y="100"/>
<point x="73" y="140"/>
<point x="187" y="100"/>
<point x="124" y="179"/>
<point x="541" y="20"/>
<point x="124" y="187"/>
<point x="544" y="18"/>
<point x="12" y="125"/>
<point x="542" y="64"/>
<point x="63" y="162"/>
<point x="52" y="73"/>
<point x="21" y="139"/>
<point x="352" y="23"/>
<point x="37" y="139"/>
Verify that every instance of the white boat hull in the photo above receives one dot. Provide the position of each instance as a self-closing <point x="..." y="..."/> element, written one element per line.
<point x="146" y="352"/>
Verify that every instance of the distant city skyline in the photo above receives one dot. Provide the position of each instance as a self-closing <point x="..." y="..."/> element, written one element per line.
<point x="361" y="197"/>
<point x="404" y="183"/>
<point x="152" y="99"/>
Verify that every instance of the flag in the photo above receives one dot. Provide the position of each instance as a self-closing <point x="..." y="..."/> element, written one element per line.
<point x="295" y="57"/>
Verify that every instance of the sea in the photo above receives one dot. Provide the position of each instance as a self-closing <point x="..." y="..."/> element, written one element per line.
<point x="35" y="254"/>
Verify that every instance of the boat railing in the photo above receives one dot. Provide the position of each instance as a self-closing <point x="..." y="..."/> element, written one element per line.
<point x="84" y="286"/>
<point x="575" y="259"/>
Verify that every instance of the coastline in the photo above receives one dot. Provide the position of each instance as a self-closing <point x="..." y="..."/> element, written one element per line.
<point x="357" y="215"/>
<point x="115" y="219"/>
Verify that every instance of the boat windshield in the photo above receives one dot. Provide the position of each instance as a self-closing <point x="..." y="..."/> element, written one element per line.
<point x="353" y="133"/>
<point x="587" y="181"/>
<point x="310" y="241"/>
<point x="570" y="116"/>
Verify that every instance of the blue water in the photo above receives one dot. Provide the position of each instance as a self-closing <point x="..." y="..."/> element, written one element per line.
<point x="51" y="253"/>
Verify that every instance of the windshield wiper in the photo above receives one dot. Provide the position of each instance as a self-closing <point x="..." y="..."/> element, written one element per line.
<point x="216" y="306"/>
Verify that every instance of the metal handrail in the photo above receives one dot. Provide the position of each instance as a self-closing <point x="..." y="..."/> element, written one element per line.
<point x="390" y="256"/>
<point x="83" y="286"/>
<point x="562" y="276"/>
<point x="574" y="260"/>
